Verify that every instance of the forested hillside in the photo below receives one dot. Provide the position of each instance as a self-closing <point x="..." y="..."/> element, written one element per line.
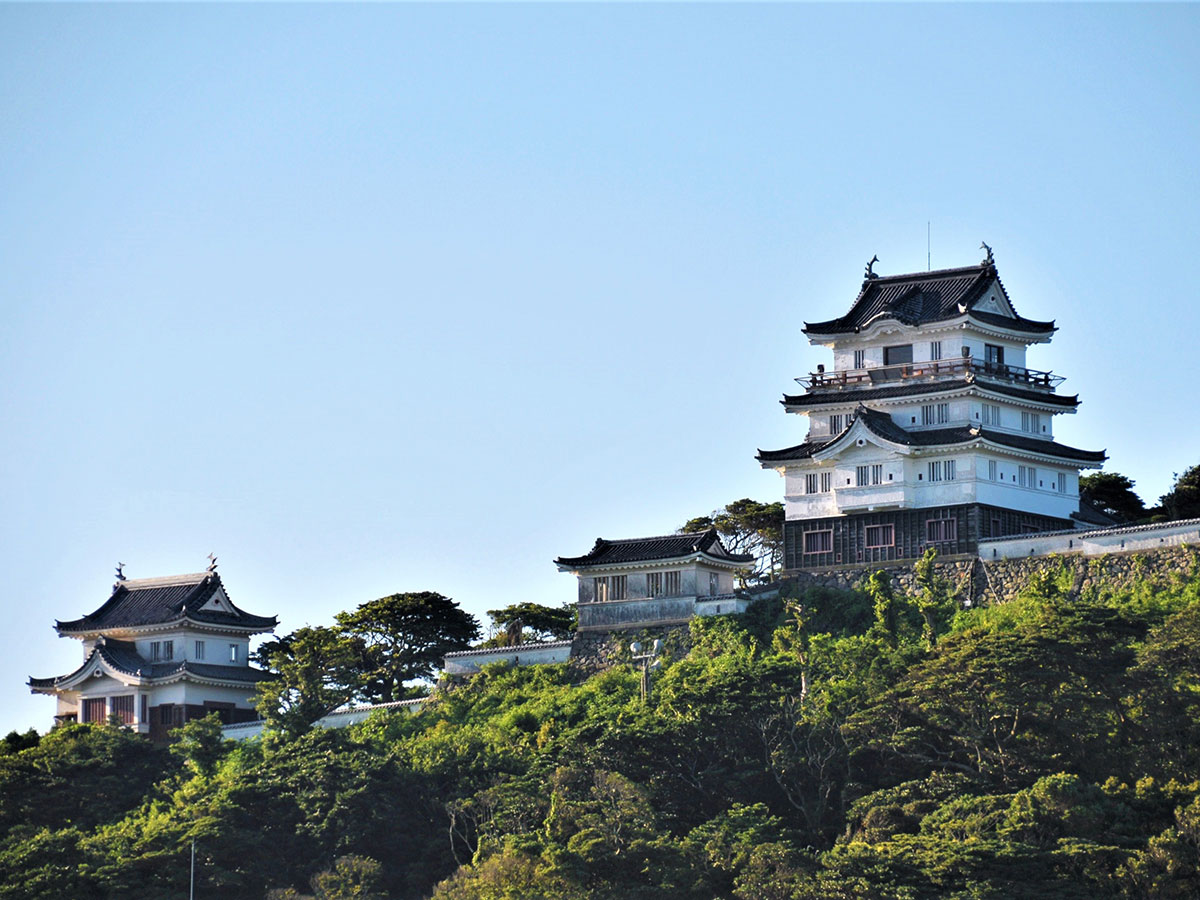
<point x="841" y="744"/>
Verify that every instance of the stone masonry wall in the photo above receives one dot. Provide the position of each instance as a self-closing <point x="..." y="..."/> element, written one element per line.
<point x="971" y="579"/>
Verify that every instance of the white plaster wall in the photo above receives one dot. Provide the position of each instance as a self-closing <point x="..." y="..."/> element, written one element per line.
<point x="1095" y="542"/>
<point x="529" y="655"/>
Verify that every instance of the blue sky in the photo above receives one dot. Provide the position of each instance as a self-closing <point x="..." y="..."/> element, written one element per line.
<point x="379" y="298"/>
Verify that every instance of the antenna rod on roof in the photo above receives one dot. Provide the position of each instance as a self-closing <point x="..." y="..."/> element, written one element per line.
<point x="928" y="254"/>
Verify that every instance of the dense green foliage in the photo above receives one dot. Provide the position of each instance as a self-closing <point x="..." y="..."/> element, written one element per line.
<point x="828" y="745"/>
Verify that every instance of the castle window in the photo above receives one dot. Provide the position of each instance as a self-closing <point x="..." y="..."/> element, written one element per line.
<point x="860" y="359"/>
<point x="935" y="349"/>
<point x="662" y="584"/>
<point x="877" y="474"/>
<point x="862" y="476"/>
<point x="233" y="648"/>
<point x="145" y="717"/>
<point x="1031" y="422"/>
<point x="122" y="708"/>
<point x="1061" y="480"/>
<point x="818" y="541"/>
<point x="935" y="414"/>
<point x="168" y="649"/>
<point x="993" y="466"/>
<point x="941" y="531"/>
<point x="610" y="587"/>
<point x="95" y="709"/>
<point x="155" y="651"/>
<point x="880" y="536"/>
<point x="835" y="424"/>
<point x="826" y="482"/>
<point x="991" y="414"/>
<point x="1026" y="476"/>
<point x="811" y="483"/>
<point x="714" y="584"/>
<point x="894" y="356"/>
<point x="199" y="654"/>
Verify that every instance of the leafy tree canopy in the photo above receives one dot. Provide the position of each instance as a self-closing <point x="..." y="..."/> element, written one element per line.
<point x="405" y="637"/>
<point x="523" y="622"/>
<point x="1113" y="493"/>
<point x="1183" y="500"/>
<point x="749" y="527"/>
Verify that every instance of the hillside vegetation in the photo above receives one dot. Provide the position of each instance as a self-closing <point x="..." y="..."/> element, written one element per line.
<point x="838" y="745"/>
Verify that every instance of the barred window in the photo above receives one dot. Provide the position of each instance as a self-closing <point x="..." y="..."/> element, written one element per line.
<point x="935" y="414"/>
<point x="835" y="424"/>
<point x="826" y="482"/>
<point x="877" y="474"/>
<point x="818" y="541"/>
<point x="862" y="476"/>
<point x="122" y="708"/>
<point x="810" y="483"/>
<point x="935" y="349"/>
<point x="991" y="414"/>
<point x="940" y="531"/>
<point x="671" y="584"/>
<point x="860" y="359"/>
<point x="880" y="536"/>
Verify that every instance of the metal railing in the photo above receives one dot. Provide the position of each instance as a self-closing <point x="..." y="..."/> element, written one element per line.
<point x="932" y="370"/>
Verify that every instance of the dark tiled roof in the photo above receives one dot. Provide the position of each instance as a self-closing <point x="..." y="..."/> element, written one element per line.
<point x="206" y="670"/>
<point x="123" y="656"/>
<point x="922" y="297"/>
<point x="1017" y="324"/>
<point x="156" y="601"/>
<point x="820" y="397"/>
<point x="668" y="546"/>
<point x="882" y="425"/>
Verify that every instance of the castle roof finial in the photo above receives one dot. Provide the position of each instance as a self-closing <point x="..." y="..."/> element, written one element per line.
<point x="212" y="563"/>
<point x="871" y="268"/>
<point x="989" y="260"/>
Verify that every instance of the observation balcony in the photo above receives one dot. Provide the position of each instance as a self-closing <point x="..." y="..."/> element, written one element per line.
<point x="932" y="370"/>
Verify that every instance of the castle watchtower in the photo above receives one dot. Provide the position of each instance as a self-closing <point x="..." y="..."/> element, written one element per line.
<point x="158" y="652"/>
<point x="655" y="580"/>
<point x="929" y="430"/>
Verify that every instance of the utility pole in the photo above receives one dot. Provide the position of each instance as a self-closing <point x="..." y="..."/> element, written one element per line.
<point x="650" y="663"/>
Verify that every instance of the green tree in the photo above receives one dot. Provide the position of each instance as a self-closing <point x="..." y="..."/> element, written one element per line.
<point x="749" y="527"/>
<point x="1183" y="500"/>
<point x="351" y="877"/>
<point x="522" y="622"/>
<point x="316" y="670"/>
<point x="405" y="637"/>
<point x="200" y="745"/>
<point x="1112" y="493"/>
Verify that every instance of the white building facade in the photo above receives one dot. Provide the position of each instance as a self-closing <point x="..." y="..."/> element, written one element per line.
<point x="930" y="430"/>
<point x="159" y="652"/>
<point x="656" y="580"/>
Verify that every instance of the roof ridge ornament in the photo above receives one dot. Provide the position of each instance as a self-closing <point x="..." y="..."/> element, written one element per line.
<point x="989" y="260"/>
<point x="870" y="273"/>
<point x="120" y="577"/>
<point x="212" y="563"/>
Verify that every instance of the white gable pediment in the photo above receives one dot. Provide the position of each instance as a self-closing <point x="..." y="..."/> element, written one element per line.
<point x="995" y="301"/>
<point x="218" y="602"/>
<point x="858" y="440"/>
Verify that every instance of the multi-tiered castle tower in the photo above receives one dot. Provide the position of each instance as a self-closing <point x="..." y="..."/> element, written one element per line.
<point x="930" y="431"/>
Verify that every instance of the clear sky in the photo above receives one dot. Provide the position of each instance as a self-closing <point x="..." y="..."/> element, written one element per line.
<point x="380" y="298"/>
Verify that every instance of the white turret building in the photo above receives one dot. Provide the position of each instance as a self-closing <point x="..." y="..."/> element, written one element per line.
<point x="929" y="430"/>
<point x="159" y="652"/>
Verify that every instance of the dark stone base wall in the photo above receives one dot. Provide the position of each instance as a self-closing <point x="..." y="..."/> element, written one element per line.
<point x="910" y="529"/>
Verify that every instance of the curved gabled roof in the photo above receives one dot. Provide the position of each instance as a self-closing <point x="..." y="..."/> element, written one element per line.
<point x="158" y="601"/>
<point x="920" y="298"/>
<point x="122" y="657"/>
<point x="652" y="549"/>
<point x="881" y="425"/>
<point x="819" y="397"/>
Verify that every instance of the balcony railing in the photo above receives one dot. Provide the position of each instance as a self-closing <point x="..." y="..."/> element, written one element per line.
<point x="932" y="370"/>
